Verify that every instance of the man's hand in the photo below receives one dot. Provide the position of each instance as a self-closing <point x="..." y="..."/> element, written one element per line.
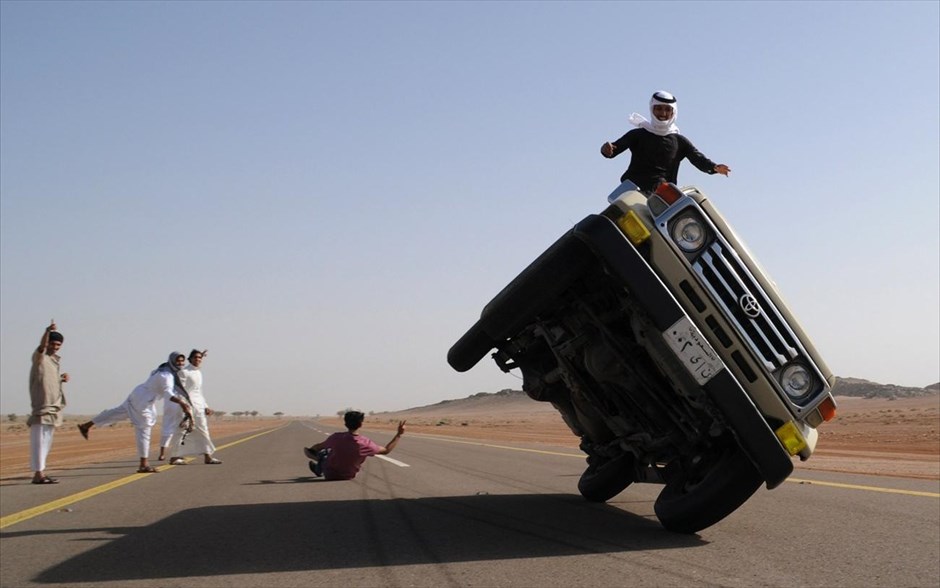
<point x="65" y="377"/>
<point x="391" y="444"/>
<point x="607" y="150"/>
<point x="722" y="169"/>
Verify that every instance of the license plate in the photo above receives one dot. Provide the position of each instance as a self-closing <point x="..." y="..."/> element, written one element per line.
<point x="693" y="350"/>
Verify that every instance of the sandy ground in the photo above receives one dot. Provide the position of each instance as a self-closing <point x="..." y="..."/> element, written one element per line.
<point x="873" y="436"/>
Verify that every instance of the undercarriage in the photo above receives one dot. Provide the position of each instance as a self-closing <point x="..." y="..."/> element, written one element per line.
<point x="595" y="357"/>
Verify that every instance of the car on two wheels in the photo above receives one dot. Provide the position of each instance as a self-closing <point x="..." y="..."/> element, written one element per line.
<point x="667" y="349"/>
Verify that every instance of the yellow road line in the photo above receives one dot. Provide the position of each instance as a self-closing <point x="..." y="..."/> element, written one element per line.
<point x="62" y="502"/>
<point x="29" y="513"/>
<point x="868" y="488"/>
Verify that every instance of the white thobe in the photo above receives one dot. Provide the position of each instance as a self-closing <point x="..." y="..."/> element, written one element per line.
<point x="40" y="443"/>
<point x="198" y="441"/>
<point x="141" y="408"/>
<point x="172" y="417"/>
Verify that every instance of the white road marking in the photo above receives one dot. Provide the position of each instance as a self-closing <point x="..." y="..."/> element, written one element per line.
<point x="394" y="461"/>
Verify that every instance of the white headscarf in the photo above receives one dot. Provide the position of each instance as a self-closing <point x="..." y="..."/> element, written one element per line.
<point x="656" y="126"/>
<point x="170" y="365"/>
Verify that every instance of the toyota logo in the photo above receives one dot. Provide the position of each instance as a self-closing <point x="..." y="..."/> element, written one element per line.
<point x="749" y="305"/>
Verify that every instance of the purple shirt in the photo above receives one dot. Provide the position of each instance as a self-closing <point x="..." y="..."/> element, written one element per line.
<point x="347" y="453"/>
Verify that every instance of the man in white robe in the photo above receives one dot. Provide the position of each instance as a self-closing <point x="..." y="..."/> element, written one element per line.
<point x="198" y="440"/>
<point x="141" y="407"/>
<point x="172" y="417"/>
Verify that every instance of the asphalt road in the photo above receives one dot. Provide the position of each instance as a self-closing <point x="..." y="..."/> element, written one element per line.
<point x="446" y="512"/>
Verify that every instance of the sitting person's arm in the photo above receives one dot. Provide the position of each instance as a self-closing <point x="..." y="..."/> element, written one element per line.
<point x="391" y="444"/>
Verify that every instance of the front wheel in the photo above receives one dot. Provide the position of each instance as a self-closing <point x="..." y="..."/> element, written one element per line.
<point x="602" y="481"/>
<point x="696" y="498"/>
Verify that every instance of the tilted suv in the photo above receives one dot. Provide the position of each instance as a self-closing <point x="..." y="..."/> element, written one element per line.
<point x="667" y="350"/>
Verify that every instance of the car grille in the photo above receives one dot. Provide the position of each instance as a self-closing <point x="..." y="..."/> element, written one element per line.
<point x="733" y="287"/>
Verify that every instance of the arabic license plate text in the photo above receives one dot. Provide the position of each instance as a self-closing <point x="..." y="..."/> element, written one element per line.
<point x="693" y="350"/>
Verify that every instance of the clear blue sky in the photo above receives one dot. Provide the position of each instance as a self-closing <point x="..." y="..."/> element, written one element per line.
<point x="325" y="194"/>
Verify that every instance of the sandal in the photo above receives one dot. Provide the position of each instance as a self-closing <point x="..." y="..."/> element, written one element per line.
<point x="83" y="430"/>
<point x="147" y="470"/>
<point x="213" y="461"/>
<point x="45" y="480"/>
<point x="177" y="461"/>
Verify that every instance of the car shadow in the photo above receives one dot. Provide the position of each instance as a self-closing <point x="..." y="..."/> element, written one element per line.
<point x="309" y="536"/>
<point x="297" y="480"/>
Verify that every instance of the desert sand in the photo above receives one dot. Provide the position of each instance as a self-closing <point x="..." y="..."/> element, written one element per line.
<point x="873" y="436"/>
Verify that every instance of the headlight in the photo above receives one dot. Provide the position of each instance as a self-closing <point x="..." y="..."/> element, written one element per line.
<point x="689" y="234"/>
<point x="796" y="380"/>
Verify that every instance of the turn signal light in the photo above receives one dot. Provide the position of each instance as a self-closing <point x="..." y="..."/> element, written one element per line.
<point x="633" y="228"/>
<point x="668" y="192"/>
<point x="827" y="408"/>
<point x="791" y="438"/>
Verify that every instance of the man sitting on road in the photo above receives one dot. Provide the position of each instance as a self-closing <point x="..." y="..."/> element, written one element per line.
<point x="341" y="455"/>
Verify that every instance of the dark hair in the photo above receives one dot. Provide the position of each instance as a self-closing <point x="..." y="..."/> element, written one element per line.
<point x="353" y="419"/>
<point x="194" y="352"/>
<point x="56" y="336"/>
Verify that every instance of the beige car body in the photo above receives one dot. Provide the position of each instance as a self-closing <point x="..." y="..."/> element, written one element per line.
<point x="674" y="269"/>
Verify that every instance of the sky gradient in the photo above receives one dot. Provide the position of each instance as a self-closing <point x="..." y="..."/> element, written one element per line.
<point x="326" y="194"/>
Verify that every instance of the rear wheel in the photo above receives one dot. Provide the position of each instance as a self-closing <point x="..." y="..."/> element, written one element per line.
<point x="697" y="497"/>
<point x="470" y="349"/>
<point x="602" y="481"/>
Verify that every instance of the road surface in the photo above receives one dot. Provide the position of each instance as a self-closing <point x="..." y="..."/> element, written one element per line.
<point x="446" y="512"/>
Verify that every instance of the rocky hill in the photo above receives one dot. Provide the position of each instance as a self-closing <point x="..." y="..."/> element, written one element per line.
<point x="505" y="402"/>
<point x="866" y="389"/>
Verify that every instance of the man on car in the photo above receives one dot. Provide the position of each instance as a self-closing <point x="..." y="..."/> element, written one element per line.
<point x="657" y="148"/>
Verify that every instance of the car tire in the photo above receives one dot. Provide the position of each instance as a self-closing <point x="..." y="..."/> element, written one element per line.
<point x="688" y="504"/>
<point x="470" y="349"/>
<point x="537" y="288"/>
<point x="603" y="481"/>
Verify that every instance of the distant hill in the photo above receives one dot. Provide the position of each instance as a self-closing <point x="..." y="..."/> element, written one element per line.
<point x="865" y="389"/>
<point x="506" y="402"/>
<point x="511" y="401"/>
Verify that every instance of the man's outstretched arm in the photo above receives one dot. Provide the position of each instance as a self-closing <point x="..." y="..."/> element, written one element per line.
<point x="391" y="444"/>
